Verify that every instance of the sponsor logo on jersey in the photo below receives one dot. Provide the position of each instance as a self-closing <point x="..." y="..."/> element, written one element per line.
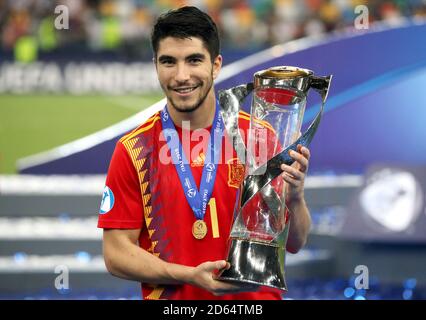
<point x="107" y="200"/>
<point x="199" y="161"/>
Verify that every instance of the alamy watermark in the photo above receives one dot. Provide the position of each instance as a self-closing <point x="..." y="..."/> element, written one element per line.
<point x="263" y="144"/>
<point x="62" y="20"/>
<point x="361" y="21"/>
<point x="62" y="281"/>
<point x="362" y="280"/>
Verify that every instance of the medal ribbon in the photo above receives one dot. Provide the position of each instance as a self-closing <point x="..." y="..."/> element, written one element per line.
<point x="197" y="199"/>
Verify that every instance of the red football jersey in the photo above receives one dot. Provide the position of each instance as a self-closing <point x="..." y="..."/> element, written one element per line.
<point x="144" y="192"/>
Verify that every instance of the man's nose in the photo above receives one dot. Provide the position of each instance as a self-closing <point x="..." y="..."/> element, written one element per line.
<point x="182" y="73"/>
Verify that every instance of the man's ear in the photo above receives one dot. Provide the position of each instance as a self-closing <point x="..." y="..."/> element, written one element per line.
<point x="154" y="61"/>
<point x="217" y="65"/>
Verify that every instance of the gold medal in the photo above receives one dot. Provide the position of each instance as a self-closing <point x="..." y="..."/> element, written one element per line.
<point x="199" y="229"/>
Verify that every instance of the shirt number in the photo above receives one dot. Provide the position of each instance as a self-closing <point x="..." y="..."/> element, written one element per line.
<point x="213" y="216"/>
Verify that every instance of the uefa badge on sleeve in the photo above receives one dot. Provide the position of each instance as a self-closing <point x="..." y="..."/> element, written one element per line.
<point x="107" y="201"/>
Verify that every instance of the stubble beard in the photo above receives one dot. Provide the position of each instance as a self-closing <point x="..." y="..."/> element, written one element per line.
<point x="196" y="105"/>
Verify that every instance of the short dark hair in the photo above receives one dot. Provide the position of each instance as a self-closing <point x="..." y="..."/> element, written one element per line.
<point x="187" y="22"/>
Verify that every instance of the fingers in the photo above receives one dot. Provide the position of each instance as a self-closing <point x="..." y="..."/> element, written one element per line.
<point x="295" y="174"/>
<point x="292" y="172"/>
<point x="215" y="265"/>
<point x="292" y="181"/>
<point x="301" y="157"/>
<point x="208" y="280"/>
<point x="305" y="151"/>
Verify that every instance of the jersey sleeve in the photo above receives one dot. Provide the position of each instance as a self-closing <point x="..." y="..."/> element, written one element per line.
<point x="121" y="205"/>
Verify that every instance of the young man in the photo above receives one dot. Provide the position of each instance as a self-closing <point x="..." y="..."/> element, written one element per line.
<point x="155" y="230"/>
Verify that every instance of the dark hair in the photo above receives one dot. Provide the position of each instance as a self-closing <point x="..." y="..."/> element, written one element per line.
<point x="187" y="22"/>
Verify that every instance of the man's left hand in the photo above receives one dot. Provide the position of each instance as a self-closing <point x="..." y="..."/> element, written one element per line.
<point x="295" y="174"/>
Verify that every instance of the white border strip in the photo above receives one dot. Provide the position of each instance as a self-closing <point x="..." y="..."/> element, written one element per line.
<point x="48" y="264"/>
<point x="96" y="264"/>
<point x="328" y="181"/>
<point x="53" y="185"/>
<point x="41" y="228"/>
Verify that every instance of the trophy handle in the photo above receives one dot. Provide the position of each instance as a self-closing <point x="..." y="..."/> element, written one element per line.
<point x="230" y="101"/>
<point x="265" y="174"/>
<point x="321" y="85"/>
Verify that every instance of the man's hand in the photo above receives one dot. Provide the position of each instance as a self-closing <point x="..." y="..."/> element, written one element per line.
<point x="295" y="174"/>
<point x="204" y="277"/>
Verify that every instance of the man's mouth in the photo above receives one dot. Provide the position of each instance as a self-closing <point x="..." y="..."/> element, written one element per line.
<point x="185" y="90"/>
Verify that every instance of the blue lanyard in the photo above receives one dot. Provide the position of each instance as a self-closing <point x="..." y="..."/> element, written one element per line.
<point x="197" y="199"/>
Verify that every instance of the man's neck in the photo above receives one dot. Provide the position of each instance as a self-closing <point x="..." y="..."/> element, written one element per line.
<point x="202" y="117"/>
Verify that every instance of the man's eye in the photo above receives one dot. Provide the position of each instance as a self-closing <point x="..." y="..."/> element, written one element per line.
<point x="166" y="62"/>
<point x="195" y="61"/>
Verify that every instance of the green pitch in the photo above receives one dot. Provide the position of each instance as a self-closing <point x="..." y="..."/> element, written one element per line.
<point x="34" y="123"/>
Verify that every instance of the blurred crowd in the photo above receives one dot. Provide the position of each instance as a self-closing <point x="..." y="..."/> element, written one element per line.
<point x="125" y="25"/>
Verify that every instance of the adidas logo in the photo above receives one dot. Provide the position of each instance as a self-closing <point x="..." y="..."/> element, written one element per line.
<point x="199" y="161"/>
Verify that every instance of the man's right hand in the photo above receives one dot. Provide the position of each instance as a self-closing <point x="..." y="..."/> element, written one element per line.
<point x="204" y="277"/>
<point x="125" y="259"/>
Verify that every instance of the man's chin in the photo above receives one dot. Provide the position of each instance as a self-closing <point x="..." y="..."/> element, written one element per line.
<point x="186" y="108"/>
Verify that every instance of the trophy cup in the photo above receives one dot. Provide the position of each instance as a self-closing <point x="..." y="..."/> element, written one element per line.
<point x="257" y="241"/>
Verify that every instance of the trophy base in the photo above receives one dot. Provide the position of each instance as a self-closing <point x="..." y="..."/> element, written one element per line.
<point x="255" y="263"/>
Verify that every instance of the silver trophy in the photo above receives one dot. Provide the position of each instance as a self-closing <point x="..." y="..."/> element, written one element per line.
<point x="257" y="242"/>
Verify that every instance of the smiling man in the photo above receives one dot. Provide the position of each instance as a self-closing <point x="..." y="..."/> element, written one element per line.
<point x="186" y="72"/>
<point x="166" y="223"/>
